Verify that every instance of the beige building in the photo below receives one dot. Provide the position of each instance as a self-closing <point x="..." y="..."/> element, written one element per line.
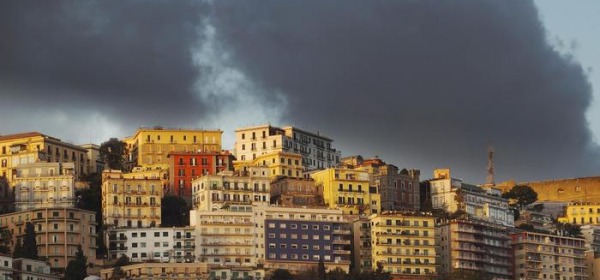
<point x="316" y="149"/>
<point x="94" y="162"/>
<point x="475" y="245"/>
<point x="280" y="164"/>
<point x="290" y="192"/>
<point x="131" y="199"/>
<point x="149" y="147"/>
<point x="58" y="232"/>
<point x="405" y="244"/>
<point x="31" y="147"/>
<point x="399" y="189"/>
<point x="545" y="256"/>
<point x="485" y="203"/>
<point x="348" y="189"/>
<point x="150" y="271"/>
<point x="212" y="192"/>
<point x="361" y="233"/>
<point x="44" y="185"/>
<point x="226" y="237"/>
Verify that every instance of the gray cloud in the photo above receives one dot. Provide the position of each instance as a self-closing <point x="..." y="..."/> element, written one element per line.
<point x="419" y="83"/>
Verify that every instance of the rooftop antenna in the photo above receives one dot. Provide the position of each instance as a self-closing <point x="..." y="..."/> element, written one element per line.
<point x="490" y="167"/>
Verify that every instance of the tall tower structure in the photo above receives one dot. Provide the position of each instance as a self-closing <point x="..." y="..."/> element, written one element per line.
<point x="490" y="167"/>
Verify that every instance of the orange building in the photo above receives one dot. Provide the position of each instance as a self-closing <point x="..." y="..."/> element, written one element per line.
<point x="187" y="166"/>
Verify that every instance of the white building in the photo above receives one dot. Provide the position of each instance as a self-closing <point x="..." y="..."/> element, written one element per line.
<point x="484" y="203"/>
<point x="212" y="192"/>
<point x="27" y="269"/>
<point x="316" y="150"/>
<point x="175" y="244"/>
<point x="6" y="270"/>
<point x="44" y="185"/>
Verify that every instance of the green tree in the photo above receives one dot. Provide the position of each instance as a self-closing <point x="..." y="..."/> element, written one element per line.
<point x="77" y="268"/>
<point x="118" y="273"/>
<point x="91" y="199"/>
<point x="321" y="271"/>
<point x="18" y="250"/>
<point x="336" y="274"/>
<point x="521" y="196"/>
<point x="570" y="230"/>
<point x="174" y="211"/>
<point x="112" y="152"/>
<point x="281" y="274"/>
<point x="5" y="241"/>
<point x="29" y="247"/>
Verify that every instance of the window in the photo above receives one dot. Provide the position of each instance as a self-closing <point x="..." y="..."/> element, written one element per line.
<point x="157" y="234"/>
<point x="315" y="227"/>
<point x="293" y="226"/>
<point x="304" y="226"/>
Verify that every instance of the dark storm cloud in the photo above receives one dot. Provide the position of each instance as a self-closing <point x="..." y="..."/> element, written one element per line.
<point x="422" y="83"/>
<point x="128" y="59"/>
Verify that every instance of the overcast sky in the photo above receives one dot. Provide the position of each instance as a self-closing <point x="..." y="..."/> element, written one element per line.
<point x="421" y="84"/>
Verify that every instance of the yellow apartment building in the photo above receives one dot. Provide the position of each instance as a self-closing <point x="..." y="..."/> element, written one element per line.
<point x="280" y="164"/>
<point x="31" y="147"/>
<point x="581" y="213"/>
<point x="149" y="147"/>
<point x="348" y="189"/>
<point x="545" y="256"/>
<point x="58" y="232"/>
<point x="212" y="192"/>
<point x="405" y="244"/>
<point x="130" y="199"/>
<point x="44" y="185"/>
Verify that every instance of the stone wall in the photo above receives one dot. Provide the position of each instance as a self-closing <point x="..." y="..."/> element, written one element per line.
<point x="585" y="189"/>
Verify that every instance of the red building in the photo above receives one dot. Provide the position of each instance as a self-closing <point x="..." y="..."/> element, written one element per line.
<point x="187" y="166"/>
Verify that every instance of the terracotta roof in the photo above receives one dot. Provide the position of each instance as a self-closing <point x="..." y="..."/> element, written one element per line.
<point x="20" y="135"/>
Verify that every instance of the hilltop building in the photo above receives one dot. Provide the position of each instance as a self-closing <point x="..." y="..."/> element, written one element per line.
<point x="31" y="147"/>
<point x="187" y="166"/>
<point x="316" y="149"/>
<point x="44" y="185"/>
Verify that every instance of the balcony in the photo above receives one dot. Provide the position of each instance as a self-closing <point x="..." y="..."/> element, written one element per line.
<point x="341" y="232"/>
<point x="341" y="252"/>
<point x="341" y="241"/>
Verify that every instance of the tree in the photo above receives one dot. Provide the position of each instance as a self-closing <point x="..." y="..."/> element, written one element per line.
<point x="321" y="271"/>
<point x="18" y="250"/>
<point x="91" y="199"/>
<point x="118" y="273"/>
<point x="29" y="247"/>
<point x="174" y="211"/>
<point x="112" y="152"/>
<point x="281" y="274"/>
<point x="570" y="230"/>
<point x="5" y="241"/>
<point x="336" y="274"/>
<point x="520" y="196"/>
<point x="77" y="268"/>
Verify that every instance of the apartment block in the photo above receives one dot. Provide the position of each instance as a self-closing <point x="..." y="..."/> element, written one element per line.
<point x="149" y="147"/>
<point x="44" y="185"/>
<point x="290" y="192"/>
<point x="130" y="199"/>
<point x="316" y="149"/>
<point x="153" y="270"/>
<point x="578" y="213"/>
<point x="58" y="232"/>
<point x="405" y="244"/>
<point x="280" y="164"/>
<point x="187" y="166"/>
<point x="296" y="239"/>
<point x="31" y="147"/>
<point x="399" y="189"/>
<point x="212" y="192"/>
<point x="226" y="237"/>
<point x="545" y="256"/>
<point x="475" y="245"/>
<point x="485" y="203"/>
<point x="362" y="249"/>
<point x="175" y="244"/>
<point x="349" y="190"/>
